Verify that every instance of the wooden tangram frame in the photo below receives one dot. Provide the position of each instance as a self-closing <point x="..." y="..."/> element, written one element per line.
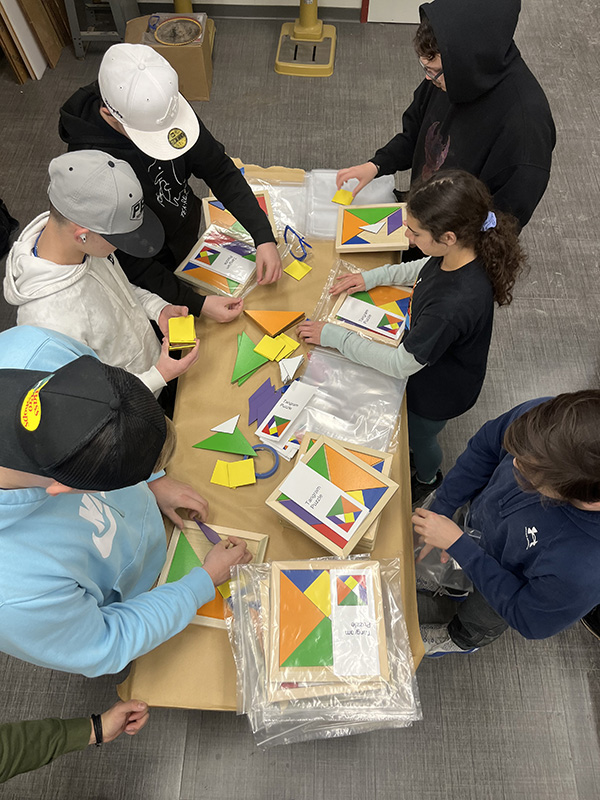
<point x="300" y="629"/>
<point x="387" y="298"/>
<point x="202" y="277"/>
<point x="211" y="614"/>
<point x="215" y="212"/>
<point x="371" y="228"/>
<point x="350" y="474"/>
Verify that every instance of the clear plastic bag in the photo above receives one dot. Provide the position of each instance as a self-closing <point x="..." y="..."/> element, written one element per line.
<point x="288" y="202"/>
<point x="362" y="676"/>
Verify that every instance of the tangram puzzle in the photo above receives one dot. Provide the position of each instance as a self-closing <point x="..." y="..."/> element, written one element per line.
<point x="196" y="268"/>
<point x="215" y="213"/>
<point x="308" y="643"/>
<point x="188" y="549"/>
<point x="355" y="478"/>
<point x="391" y="299"/>
<point x="373" y="227"/>
<point x="376" y="459"/>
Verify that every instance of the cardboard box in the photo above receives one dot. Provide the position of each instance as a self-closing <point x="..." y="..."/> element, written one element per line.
<point x="192" y="62"/>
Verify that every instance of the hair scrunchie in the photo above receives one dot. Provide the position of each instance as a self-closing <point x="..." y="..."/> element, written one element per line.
<point x="490" y="221"/>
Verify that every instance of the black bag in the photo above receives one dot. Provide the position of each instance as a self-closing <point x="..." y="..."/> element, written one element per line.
<point x="8" y="226"/>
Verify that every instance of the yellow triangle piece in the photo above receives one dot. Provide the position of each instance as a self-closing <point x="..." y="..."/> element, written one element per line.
<point x="274" y="322"/>
<point x="269" y="348"/>
<point x="320" y="593"/>
<point x="241" y="473"/>
<point x="342" y="197"/>
<point x="297" y="270"/>
<point x="289" y="346"/>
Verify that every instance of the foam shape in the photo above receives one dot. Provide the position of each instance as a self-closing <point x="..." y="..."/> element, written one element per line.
<point x="289" y="346"/>
<point x="246" y="360"/>
<point x="182" y="332"/>
<point x="346" y="475"/>
<point x="372" y="215"/>
<point x="220" y="474"/>
<point x="269" y="348"/>
<point x="374" y="228"/>
<point x="274" y="322"/>
<point x="234" y="442"/>
<point x="356" y="240"/>
<point x="394" y="221"/>
<point x="315" y="650"/>
<point x="320" y="593"/>
<point x="241" y="473"/>
<point x="184" y="560"/>
<point x="289" y="367"/>
<point x="228" y="426"/>
<point x="256" y="399"/>
<point x="342" y="197"/>
<point x="297" y="270"/>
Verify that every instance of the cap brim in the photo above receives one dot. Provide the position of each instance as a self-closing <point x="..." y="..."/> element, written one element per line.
<point x="172" y="142"/>
<point x="143" y="242"/>
<point x="15" y="385"/>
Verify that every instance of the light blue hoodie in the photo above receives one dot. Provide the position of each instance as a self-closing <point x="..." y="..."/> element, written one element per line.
<point x="77" y="569"/>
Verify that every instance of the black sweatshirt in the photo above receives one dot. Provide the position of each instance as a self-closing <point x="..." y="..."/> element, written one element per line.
<point x="167" y="193"/>
<point x="493" y="121"/>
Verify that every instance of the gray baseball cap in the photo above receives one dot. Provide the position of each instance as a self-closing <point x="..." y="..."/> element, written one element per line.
<point x="102" y="193"/>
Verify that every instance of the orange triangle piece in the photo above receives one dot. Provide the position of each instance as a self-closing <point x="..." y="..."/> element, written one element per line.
<point x="298" y="617"/>
<point x="350" y="225"/>
<point x="214" y="608"/>
<point x="348" y="476"/>
<point x="274" y="322"/>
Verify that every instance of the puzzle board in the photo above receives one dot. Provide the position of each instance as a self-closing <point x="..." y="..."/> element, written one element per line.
<point x="395" y="299"/>
<point x="215" y="213"/>
<point x="357" y="485"/>
<point x="317" y="609"/>
<point x="380" y="461"/>
<point x="371" y="228"/>
<point x="194" y="546"/>
<point x="219" y="264"/>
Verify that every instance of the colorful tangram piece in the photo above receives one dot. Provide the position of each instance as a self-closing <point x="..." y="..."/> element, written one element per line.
<point x="352" y="590"/>
<point x="289" y="346"/>
<point x="262" y="401"/>
<point x="235" y="473"/>
<point x="305" y="633"/>
<point x="269" y="348"/>
<point x="375" y="462"/>
<point x="342" y="197"/>
<point x="217" y="214"/>
<point x="274" y="322"/>
<point x="228" y="426"/>
<point x="373" y="227"/>
<point x="288" y="367"/>
<point x="388" y="298"/>
<point x="184" y="561"/>
<point x="182" y="332"/>
<point x="234" y="442"/>
<point x="247" y="360"/>
<point x="297" y="270"/>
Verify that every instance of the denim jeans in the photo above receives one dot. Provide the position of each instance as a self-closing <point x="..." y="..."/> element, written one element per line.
<point x="475" y="623"/>
<point x="422" y="438"/>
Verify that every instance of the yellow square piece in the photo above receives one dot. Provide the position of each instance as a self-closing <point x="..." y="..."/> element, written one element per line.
<point x="269" y="348"/>
<point x="342" y="197"/>
<point x="182" y="332"/>
<point x="220" y="474"/>
<point x="297" y="270"/>
<point x="289" y="345"/>
<point x="241" y="473"/>
<point x="225" y="590"/>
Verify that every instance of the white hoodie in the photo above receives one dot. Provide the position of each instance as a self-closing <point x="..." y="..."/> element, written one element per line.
<point x="92" y="302"/>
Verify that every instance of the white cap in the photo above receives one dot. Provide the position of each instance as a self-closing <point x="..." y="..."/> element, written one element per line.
<point x="141" y="90"/>
<point x="102" y="193"/>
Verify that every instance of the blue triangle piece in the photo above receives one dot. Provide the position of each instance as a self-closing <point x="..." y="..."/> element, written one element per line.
<point x="355" y="240"/>
<point x="378" y="466"/>
<point x="372" y="496"/>
<point x="302" y="578"/>
<point x="217" y="204"/>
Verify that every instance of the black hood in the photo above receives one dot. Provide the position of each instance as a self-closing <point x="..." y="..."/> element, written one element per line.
<point x="476" y="44"/>
<point x="82" y="128"/>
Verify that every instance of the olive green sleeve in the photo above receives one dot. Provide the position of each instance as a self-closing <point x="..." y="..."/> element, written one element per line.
<point x="28" y="745"/>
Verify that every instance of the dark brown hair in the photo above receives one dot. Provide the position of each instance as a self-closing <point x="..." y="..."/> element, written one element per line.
<point x="557" y="445"/>
<point x="425" y="42"/>
<point x="57" y="216"/>
<point x="458" y="202"/>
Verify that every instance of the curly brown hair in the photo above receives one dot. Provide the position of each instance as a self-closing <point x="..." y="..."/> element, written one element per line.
<point x="557" y="446"/>
<point x="454" y="200"/>
<point x="425" y="42"/>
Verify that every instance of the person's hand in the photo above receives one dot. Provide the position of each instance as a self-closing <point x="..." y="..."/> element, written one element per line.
<point x="225" y="555"/>
<point x="268" y="263"/>
<point x="171" y="495"/>
<point x="222" y="309"/>
<point x="348" y="283"/>
<point x="435" y="530"/>
<point x="364" y="172"/>
<point x="171" y="368"/>
<point x="166" y="314"/>
<point x="310" y="331"/>
<point x="129" y="717"/>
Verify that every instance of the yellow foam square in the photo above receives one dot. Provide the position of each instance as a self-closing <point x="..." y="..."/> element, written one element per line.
<point x="289" y="346"/>
<point x="182" y="332"/>
<point x="224" y="590"/>
<point x="241" y="473"/>
<point x="297" y="270"/>
<point x="269" y="348"/>
<point x="220" y="474"/>
<point x="342" y="197"/>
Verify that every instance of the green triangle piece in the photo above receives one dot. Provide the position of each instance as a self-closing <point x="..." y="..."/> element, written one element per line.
<point x="319" y="463"/>
<point x="316" y="650"/>
<point x="184" y="560"/>
<point x="282" y="497"/>
<point x="233" y="285"/>
<point x="384" y="321"/>
<point x="364" y="296"/>
<point x="372" y="215"/>
<point x="337" y="509"/>
<point x="249" y="375"/>
<point x="247" y="360"/>
<point x="239" y="228"/>
<point x="234" y="442"/>
<point x="351" y="599"/>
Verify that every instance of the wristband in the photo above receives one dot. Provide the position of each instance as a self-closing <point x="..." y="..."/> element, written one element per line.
<point x="97" y="724"/>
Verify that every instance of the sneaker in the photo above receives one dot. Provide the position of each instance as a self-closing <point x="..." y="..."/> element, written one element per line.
<point x="437" y="641"/>
<point x="420" y="490"/>
<point x="591" y="621"/>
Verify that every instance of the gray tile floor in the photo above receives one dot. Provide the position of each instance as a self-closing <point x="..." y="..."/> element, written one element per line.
<point x="517" y="720"/>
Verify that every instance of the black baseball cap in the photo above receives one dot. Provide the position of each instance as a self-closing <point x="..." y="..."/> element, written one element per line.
<point x="87" y="425"/>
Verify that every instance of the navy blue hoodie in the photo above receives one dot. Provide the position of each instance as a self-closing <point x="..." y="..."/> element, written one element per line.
<point x="493" y="120"/>
<point x="538" y="562"/>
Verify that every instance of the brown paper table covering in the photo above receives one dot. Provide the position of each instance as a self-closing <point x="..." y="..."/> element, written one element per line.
<point x="195" y="669"/>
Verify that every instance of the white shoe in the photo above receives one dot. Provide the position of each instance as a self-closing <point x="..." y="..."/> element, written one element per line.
<point x="437" y="641"/>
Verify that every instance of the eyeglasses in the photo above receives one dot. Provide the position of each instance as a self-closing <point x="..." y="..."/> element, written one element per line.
<point x="297" y="244"/>
<point x="434" y="76"/>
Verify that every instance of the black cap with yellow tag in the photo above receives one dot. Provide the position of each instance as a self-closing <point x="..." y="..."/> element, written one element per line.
<point x="86" y="425"/>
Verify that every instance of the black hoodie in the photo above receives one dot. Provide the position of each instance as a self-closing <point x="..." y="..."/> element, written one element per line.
<point x="166" y="192"/>
<point x="493" y="120"/>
